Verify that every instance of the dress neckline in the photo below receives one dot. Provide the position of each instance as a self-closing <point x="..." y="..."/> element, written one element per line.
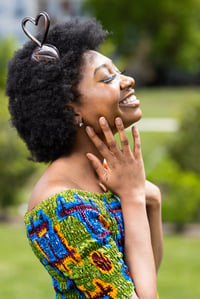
<point x="70" y="191"/>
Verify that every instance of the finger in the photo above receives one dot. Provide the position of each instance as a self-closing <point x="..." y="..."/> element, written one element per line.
<point x="98" y="167"/>
<point x="137" y="143"/>
<point x="100" y="145"/>
<point x="110" y="139"/>
<point x="122" y="135"/>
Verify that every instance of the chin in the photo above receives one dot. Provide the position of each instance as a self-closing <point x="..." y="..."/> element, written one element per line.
<point x="132" y="120"/>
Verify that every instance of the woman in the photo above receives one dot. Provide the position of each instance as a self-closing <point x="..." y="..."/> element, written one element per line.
<point x="67" y="111"/>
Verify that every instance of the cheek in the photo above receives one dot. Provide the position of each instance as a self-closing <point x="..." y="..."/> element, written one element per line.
<point x="109" y="99"/>
<point x="112" y="92"/>
<point x="99" y="102"/>
<point x="101" y="99"/>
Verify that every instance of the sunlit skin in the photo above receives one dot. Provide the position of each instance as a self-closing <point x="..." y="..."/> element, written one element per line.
<point x="108" y="105"/>
<point x="103" y="88"/>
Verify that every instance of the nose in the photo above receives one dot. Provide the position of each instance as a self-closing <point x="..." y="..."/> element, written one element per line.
<point x="126" y="82"/>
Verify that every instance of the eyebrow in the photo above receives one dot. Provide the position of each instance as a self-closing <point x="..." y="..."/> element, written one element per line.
<point x="100" y="66"/>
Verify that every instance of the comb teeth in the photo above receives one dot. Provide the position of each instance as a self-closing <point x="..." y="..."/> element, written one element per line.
<point x="45" y="53"/>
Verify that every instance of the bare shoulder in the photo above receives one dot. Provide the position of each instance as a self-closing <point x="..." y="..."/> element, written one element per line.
<point x="46" y="188"/>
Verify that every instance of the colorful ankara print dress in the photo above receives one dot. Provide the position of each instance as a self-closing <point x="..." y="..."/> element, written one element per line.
<point x="79" y="238"/>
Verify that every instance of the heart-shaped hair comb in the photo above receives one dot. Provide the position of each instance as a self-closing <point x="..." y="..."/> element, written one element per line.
<point x="43" y="52"/>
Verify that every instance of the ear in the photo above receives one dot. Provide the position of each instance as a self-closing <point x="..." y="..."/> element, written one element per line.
<point x="77" y="113"/>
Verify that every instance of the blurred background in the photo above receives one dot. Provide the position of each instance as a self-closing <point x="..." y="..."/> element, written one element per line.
<point x="158" y="43"/>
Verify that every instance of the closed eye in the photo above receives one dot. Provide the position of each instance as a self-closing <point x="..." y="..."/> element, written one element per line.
<point x="109" y="79"/>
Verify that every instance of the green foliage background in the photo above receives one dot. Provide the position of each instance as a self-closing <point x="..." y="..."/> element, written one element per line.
<point x="7" y="46"/>
<point x="15" y="169"/>
<point x="167" y="27"/>
<point x="185" y="148"/>
<point x="164" y="34"/>
<point x="169" y="31"/>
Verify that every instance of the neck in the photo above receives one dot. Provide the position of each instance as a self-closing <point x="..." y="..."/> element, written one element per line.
<point x="75" y="171"/>
<point x="79" y="165"/>
<point x="84" y="145"/>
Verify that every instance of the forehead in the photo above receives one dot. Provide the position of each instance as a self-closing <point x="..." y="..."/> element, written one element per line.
<point x="94" y="59"/>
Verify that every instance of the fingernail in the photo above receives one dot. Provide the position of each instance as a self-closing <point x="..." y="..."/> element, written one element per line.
<point x="118" y="121"/>
<point x="135" y="129"/>
<point x="88" y="156"/>
<point x="102" y="120"/>
<point x="88" y="130"/>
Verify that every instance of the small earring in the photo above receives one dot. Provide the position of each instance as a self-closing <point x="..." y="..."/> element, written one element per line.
<point x="80" y="124"/>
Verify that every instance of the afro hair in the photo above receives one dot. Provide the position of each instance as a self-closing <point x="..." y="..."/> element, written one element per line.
<point x="39" y="92"/>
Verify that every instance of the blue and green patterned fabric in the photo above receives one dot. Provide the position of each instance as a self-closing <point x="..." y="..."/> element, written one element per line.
<point x="79" y="238"/>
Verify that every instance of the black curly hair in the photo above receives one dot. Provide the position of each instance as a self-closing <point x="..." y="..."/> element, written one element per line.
<point x="39" y="92"/>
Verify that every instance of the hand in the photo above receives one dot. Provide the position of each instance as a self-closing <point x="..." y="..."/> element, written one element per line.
<point x="125" y="175"/>
<point x="152" y="194"/>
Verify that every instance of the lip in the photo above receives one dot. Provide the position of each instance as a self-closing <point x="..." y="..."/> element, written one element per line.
<point x="132" y="101"/>
<point x="128" y="95"/>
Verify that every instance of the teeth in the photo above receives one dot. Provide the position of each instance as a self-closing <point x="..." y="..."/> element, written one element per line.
<point x="124" y="102"/>
<point x="130" y="99"/>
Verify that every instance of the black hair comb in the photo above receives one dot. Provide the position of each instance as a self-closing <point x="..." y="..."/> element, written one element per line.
<point x="43" y="52"/>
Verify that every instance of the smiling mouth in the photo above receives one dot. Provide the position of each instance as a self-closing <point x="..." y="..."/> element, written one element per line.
<point x="130" y="101"/>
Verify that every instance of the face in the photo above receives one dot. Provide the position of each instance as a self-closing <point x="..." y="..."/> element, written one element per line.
<point x="106" y="92"/>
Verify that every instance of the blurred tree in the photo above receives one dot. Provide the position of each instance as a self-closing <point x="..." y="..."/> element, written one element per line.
<point x="180" y="192"/>
<point x="185" y="148"/>
<point x="15" y="169"/>
<point x="7" y="46"/>
<point x="162" y="34"/>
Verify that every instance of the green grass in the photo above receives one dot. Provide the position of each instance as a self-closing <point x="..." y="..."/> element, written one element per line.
<point x="179" y="273"/>
<point x="22" y="276"/>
